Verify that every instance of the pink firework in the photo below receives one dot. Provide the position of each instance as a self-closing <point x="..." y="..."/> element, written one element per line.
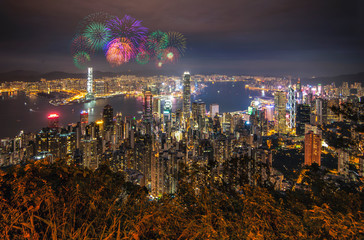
<point x="119" y="51"/>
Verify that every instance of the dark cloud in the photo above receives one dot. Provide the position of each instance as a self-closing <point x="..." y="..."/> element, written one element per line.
<point x="261" y="36"/>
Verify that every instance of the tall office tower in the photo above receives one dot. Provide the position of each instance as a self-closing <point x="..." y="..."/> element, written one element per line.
<point x="319" y="89"/>
<point x="270" y="113"/>
<point x="302" y="117"/>
<point x="298" y="85"/>
<point x="107" y="116"/>
<point x="90" y="84"/>
<point x="312" y="148"/>
<point x="83" y="121"/>
<point x="292" y="108"/>
<point x="148" y="107"/>
<point x="214" y="109"/>
<point x="321" y="111"/>
<point x="194" y="111"/>
<point x="186" y="107"/>
<point x="53" y="120"/>
<point x="198" y="109"/>
<point x="280" y="101"/>
<point x="156" y="106"/>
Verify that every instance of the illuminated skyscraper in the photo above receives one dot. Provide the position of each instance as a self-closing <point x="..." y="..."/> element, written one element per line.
<point x="312" y="148"/>
<point x="84" y="121"/>
<point x="108" y="115"/>
<point x="292" y="108"/>
<point x="270" y="113"/>
<point x="280" y="101"/>
<point x="186" y="107"/>
<point x="321" y="111"/>
<point x="90" y="85"/>
<point x="53" y="120"/>
<point x="156" y="106"/>
<point x="214" y="109"/>
<point x="148" y="106"/>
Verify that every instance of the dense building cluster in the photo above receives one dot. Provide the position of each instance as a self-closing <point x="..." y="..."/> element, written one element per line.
<point x="301" y="120"/>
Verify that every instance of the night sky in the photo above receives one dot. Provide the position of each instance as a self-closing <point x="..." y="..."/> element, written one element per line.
<point x="273" y="37"/>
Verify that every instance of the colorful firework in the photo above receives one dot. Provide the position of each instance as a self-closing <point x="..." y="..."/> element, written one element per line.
<point x="177" y="41"/>
<point x="99" y="17"/>
<point x="171" y="54"/>
<point x="119" y="51"/>
<point x="81" y="44"/>
<point x="80" y="59"/>
<point x="128" y="27"/>
<point x="142" y="57"/>
<point x="98" y="34"/>
<point x="157" y="40"/>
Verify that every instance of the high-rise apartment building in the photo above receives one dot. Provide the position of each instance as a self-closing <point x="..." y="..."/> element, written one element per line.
<point x="280" y="101"/>
<point x="312" y="148"/>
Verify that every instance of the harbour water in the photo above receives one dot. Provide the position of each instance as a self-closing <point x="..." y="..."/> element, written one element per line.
<point x="20" y="112"/>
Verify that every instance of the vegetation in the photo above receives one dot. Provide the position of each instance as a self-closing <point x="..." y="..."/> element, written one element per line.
<point x="57" y="201"/>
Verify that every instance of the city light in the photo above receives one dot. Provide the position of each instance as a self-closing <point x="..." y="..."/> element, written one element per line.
<point x="53" y="115"/>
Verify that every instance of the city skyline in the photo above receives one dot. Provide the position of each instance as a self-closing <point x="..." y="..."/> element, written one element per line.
<point x="301" y="38"/>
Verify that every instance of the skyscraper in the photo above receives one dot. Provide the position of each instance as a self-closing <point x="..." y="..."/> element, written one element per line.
<point x="280" y="100"/>
<point x="292" y="108"/>
<point x="312" y="148"/>
<point x="53" y="120"/>
<point x="83" y="121"/>
<point x="321" y="111"/>
<point x="214" y="109"/>
<point x="302" y="117"/>
<point x="148" y="106"/>
<point x="186" y="107"/>
<point x="90" y="84"/>
<point x="108" y="115"/>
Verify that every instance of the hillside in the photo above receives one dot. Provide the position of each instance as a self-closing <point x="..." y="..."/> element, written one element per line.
<point x="57" y="201"/>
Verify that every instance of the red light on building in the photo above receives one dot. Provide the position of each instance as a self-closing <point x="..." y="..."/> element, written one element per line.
<point x="53" y="115"/>
<point x="53" y="120"/>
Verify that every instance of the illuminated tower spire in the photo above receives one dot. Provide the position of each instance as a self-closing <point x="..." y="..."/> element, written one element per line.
<point x="90" y="84"/>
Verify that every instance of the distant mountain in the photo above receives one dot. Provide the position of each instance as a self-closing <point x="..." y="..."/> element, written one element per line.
<point x="32" y="76"/>
<point x="338" y="80"/>
<point x="19" y="75"/>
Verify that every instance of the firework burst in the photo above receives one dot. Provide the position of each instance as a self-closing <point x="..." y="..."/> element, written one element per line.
<point x="128" y="27"/>
<point x="157" y="40"/>
<point x="177" y="41"/>
<point x="98" y="35"/>
<point x="119" y="51"/>
<point x="171" y="54"/>
<point x="80" y="59"/>
<point x="81" y="44"/>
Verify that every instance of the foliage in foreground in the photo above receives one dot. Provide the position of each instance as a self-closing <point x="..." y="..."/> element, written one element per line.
<point x="58" y="201"/>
